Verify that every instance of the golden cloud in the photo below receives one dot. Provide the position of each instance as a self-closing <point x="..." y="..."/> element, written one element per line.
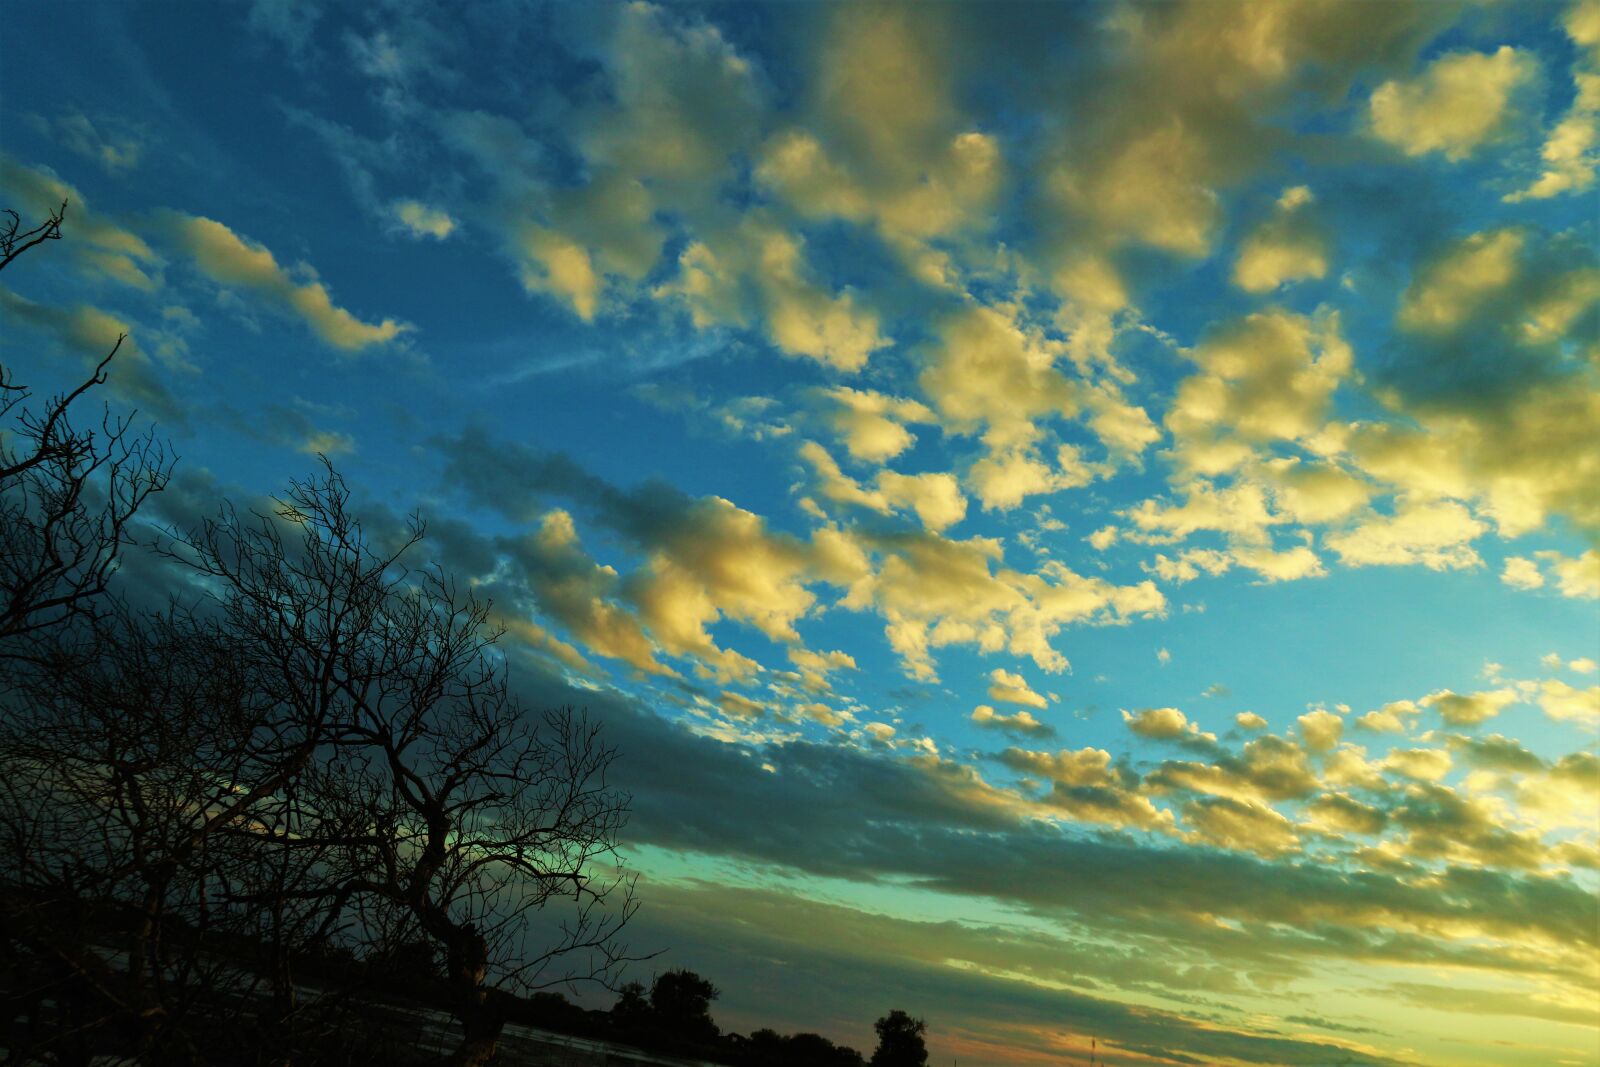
<point x="231" y="260"/>
<point x="1461" y="102"/>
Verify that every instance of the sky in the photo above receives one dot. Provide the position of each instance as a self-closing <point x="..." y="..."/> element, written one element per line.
<point x="1079" y="519"/>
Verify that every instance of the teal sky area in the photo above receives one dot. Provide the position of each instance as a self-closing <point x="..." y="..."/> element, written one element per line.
<point x="1081" y="519"/>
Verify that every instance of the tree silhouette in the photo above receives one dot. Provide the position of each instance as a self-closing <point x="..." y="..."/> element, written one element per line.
<point x="322" y="752"/>
<point x="67" y="493"/>
<point x="767" y="1048"/>
<point x="900" y="1041"/>
<point x="680" y="1003"/>
<point x="117" y="753"/>
<point x="631" y="1013"/>
<point x="441" y="808"/>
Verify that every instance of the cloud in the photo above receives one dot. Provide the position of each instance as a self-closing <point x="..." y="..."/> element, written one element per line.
<point x="739" y="706"/>
<point x="1083" y="767"/>
<point x="295" y="427"/>
<point x="1568" y="154"/>
<point x="1268" y="768"/>
<point x="420" y="220"/>
<point x="1429" y="764"/>
<point x="880" y="731"/>
<point x="1521" y="573"/>
<point x="717" y="561"/>
<point x="1496" y="1002"/>
<point x="869" y="813"/>
<point x="90" y="333"/>
<point x="1009" y="328"/>
<point x="1085" y="786"/>
<point x="1388" y="719"/>
<point x="1197" y="87"/>
<point x="1267" y="377"/>
<point x="879" y="141"/>
<point x="559" y="266"/>
<point x="684" y="100"/>
<point x="935" y="497"/>
<point x="231" y="260"/>
<point x="1314" y="492"/>
<point x="1020" y="724"/>
<point x="1522" y="464"/>
<point x="816" y="667"/>
<point x="98" y="247"/>
<point x="115" y="146"/>
<point x="1008" y="688"/>
<point x="1245" y="825"/>
<point x="1288" y="246"/>
<point x="680" y="103"/>
<point x="1009" y="987"/>
<point x="290" y="22"/>
<point x="1320" y="730"/>
<point x="1576" y="576"/>
<point x="1453" y="286"/>
<point x="1160" y="724"/>
<point x="704" y="559"/>
<point x="1152" y="189"/>
<point x="934" y="591"/>
<point x="1341" y="814"/>
<point x="1189" y="564"/>
<point x="757" y="271"/>
<point x="1462" y="101"/>
<point x="1240" y="511"/>
<point x="1290" y="565"/>
<point x="872" y="425"/>
<point x="582" y="595"/>
<point x="1565" y="703"/>
<point x="1442" y="823"/>
<point x="986" y="372"/>
<point x="805" y="320"/>
<point x="1436" y="535"/>
<point x="1498" y="753"/>
<point x="1490" y="323"/>
<point x="1469" y="709"/>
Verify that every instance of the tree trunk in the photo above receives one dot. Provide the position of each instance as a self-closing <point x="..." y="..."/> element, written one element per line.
<point x="280" y="1015"/>
<point x="467" y="965"/>
<point x="144" y="977"/>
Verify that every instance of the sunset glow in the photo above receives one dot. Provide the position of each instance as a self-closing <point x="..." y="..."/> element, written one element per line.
<point x="1081" y="521"/>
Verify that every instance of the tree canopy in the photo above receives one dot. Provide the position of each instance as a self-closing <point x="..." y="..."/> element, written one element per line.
<point x="900" y="1041"/>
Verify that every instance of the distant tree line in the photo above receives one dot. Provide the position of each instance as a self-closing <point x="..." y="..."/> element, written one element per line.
<point x="674" y="1016"/>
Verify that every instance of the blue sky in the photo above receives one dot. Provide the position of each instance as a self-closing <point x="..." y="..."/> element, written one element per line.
<point x="1080" y="518"/>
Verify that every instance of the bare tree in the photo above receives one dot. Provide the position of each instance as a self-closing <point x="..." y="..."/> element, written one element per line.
<point x="118" y="749"/>
<point x="446" y="810"/>
<point x="324" y="746"/>
<point x="67" y="494"/>
<point x="14" y="240"/>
